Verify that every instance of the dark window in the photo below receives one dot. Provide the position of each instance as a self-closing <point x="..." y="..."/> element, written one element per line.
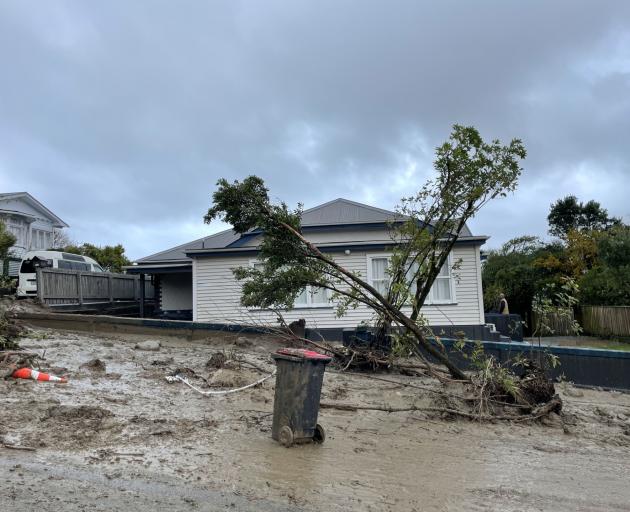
<point x="65" y="265"/>
<point x="72" y="257"/>
<point x="29" y="266"/>
<point x="72" y="265"/>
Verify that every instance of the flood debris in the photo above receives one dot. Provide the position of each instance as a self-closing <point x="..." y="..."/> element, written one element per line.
<point x="217" y="361"/>
<point x="10" y="330"/>
<point x="390" y="431"/>
<point x="148" y="345"/>
<point x="95" y="365"/>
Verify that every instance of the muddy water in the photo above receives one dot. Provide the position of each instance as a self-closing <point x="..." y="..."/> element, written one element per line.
<point x="164" y="444"/>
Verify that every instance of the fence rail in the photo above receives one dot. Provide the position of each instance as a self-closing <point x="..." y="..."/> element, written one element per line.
<point x="68" y="287"/>
<point x="606" y="320"/>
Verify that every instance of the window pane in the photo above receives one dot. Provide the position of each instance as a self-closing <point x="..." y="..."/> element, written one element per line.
<point x="300" y="300"/>
<point x="381" y="285"/>
<point x="319" y="295"/>
<point x="411" y="272"/>
<point x="442" y="289"/>
<point x="444" y="270"/>
<point x="379" y="268"/>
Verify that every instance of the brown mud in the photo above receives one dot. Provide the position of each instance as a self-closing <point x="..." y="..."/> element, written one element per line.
<point x="118" y="436"/>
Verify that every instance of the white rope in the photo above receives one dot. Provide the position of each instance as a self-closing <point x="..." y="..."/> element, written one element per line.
<point x="175" y="378"/>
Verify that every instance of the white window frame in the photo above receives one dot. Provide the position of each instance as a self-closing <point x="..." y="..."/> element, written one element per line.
<point x="309" y="296"/>
<point x="430" y="298"/>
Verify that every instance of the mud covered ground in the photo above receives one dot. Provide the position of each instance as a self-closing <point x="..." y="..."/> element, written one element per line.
<point x="119" y="437"/>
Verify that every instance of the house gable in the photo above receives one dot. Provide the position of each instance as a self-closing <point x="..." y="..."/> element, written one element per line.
<point x="23" y="203"/>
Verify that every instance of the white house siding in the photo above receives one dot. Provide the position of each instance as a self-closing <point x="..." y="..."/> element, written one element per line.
<point x="176" y="292"/>
<point x="217" y="294"/>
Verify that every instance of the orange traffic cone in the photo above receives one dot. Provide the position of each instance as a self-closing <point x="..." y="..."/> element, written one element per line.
<point x="28" y="373"/>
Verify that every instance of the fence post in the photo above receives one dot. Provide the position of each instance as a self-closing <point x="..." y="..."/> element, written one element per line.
<point x="110" y="287"/>
<point x="40" y="284"/>
<point x="80" y="287"/>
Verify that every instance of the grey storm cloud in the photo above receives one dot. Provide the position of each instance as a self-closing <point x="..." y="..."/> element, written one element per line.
<point x="121" y="116"/>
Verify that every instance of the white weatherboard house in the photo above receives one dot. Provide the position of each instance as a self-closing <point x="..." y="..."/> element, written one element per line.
<point x="30" y="221"/>
<point x="195" y="280"/>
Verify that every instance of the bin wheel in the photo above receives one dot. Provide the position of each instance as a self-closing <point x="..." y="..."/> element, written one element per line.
<point x="319" y="435"/>
<point x="285" y="436"/>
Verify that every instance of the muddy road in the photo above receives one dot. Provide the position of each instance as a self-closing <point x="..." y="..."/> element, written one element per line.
<point x="119" y="437"/>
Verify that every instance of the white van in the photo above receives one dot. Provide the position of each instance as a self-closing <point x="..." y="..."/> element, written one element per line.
<point x="27" y="278"/>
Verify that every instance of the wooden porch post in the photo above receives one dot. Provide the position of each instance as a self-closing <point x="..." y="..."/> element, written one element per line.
<point x="141" y="295"/>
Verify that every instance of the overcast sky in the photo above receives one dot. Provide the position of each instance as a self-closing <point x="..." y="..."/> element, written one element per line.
<point x="120" y="116"/>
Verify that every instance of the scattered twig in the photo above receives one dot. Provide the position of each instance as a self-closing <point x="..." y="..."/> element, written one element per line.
<point x="549" y="407"/>
<point x="17" y="447"/>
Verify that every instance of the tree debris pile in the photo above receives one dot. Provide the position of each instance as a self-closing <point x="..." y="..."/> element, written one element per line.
<point x="10" y="331"/>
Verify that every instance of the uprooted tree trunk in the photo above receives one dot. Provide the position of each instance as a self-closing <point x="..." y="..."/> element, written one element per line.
<point x="517" y="391"/>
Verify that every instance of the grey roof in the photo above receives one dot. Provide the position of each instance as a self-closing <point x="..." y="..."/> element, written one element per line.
<point x="344" y="211"/>
<point x="57" y="222"/>
<point x="216" y="241"/>
<point x="333" y="213"/>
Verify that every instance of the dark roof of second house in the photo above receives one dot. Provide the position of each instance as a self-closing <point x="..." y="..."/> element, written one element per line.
<point x="339" y="212"/>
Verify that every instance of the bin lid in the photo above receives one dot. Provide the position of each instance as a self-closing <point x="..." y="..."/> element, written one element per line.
<point x="302" y="353"/>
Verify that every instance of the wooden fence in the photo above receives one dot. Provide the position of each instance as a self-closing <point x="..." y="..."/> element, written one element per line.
<point x="558" y="325"/>
<point x="57" y="287"/>
<point x="606" y="320"/>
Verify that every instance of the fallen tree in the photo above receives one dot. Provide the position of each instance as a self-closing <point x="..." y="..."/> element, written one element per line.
<point x="469" y="173"/>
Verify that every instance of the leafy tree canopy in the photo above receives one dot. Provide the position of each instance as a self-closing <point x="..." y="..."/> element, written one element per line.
<point x="111" y="257"/>
<point x="7" y="240"/>
<point x="608" y="282"/>
<point x="568" y="214"/>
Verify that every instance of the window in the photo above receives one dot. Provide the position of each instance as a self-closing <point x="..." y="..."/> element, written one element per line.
<point x="310" y="297"/>
<point x="73" y="265"/>
<point x="380" y="277"/>
<point x="18" y="231"/>
<point x="442" y="291"/>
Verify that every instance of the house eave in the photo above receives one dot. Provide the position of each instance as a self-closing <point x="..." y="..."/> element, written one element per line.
<point x="163" y="268"/>
<point x="325" y="247"/>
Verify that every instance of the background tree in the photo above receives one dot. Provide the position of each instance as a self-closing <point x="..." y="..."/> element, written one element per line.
<point x="519" y="268"/>
<point x="469" y="173"/>
<point x="608" y="282"/>
<point x="111" y="257"/>
<point x="61" y="239"/>
<point x="7" y="240"/>
<point x="568" y="214"/>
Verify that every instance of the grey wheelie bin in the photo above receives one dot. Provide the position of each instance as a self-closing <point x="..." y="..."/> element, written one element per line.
<point x="299" y="379"/>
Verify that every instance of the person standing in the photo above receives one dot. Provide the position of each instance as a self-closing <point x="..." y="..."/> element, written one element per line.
<point x="504" y="309"/>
